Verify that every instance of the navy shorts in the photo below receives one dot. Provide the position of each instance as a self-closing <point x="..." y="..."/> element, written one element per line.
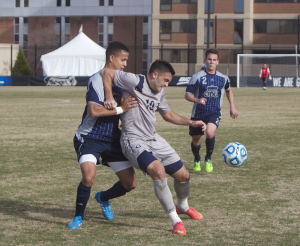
<point x="211" y="118"/>
<point x="109" y="152"/>
<point x="264" y="79"/>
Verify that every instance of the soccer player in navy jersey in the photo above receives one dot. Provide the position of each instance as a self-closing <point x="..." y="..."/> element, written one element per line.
<point x="99" y="136"/>
<point x="143" y="146"/>
<point x="206" y="90"/>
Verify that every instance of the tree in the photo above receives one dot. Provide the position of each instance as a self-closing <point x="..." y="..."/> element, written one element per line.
<point x="21" y="66"/>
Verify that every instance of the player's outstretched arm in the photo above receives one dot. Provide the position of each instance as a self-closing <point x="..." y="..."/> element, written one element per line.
<point x="190" y="97"/>
<point x="176" y="119"/>
<point x="108" y="77"/>
<point x="233" y="111"/>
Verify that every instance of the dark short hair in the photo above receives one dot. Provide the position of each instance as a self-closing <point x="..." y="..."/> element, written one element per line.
<point x="114" y="48"/>
<point x="161" y="66"/>
<point x="212" y="51"/>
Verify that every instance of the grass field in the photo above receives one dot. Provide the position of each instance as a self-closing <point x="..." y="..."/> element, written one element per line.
<point x="255" y="204"/>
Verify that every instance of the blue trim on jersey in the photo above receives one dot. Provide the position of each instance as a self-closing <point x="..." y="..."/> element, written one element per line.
<point x="149" y="85"/>
<point x="140" y="85"/>
<point x="91" y="95"/>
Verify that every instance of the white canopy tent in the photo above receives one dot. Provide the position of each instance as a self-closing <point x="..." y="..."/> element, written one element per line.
<point x="79" y="57"/>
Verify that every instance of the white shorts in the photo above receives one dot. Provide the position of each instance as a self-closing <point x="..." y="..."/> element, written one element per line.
<point x="159" y="148"/>
<point x="115" y="166"/>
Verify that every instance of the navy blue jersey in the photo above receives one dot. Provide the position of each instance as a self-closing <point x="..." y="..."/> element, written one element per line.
<point x="102" y="128"/>
<point x="211" y="87"/>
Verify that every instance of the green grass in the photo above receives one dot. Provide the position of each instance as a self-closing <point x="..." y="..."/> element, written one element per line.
<point x="255" y="204"/>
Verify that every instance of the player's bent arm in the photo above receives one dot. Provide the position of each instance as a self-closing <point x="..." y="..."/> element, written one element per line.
<point x="190" y="97"/>
<point x="176" y="119"/>
<point x="108" y="77"/>
<point x="96" y="110"/>
<point x="233" y="111"/>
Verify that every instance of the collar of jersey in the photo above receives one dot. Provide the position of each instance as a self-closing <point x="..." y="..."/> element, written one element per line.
<point x="149" y="85"/>
<point x="210" y="73"/>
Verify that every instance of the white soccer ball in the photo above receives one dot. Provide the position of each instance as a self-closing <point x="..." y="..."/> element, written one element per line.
<point x="234" y="154"/>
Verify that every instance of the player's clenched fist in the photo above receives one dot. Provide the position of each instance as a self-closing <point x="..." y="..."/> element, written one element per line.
<point x="110" y="104"/>
<point x="199" y="123"/>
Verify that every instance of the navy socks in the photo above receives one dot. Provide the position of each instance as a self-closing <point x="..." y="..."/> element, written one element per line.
<point x="210" y="145"/>
<point x="115" y="191"/>
<point x="195" y="151"/>
<point x="83" y="195"/>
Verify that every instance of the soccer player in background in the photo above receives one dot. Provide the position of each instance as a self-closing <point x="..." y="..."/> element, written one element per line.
<point x="99" y="135"/>
<point x="206" y="90"/>
<point x="143" y="146"/>
<point x="264" y="74"/>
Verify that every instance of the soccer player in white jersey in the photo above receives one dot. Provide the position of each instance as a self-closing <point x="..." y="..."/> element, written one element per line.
<point x="99" y="135"/>
<point x="206" y="90"/>
<point x="142" y="145"/>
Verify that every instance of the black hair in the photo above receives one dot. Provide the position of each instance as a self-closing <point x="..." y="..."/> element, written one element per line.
<point x="114" y="48"/>
<point x="161" y="66"/>
<point x="212" y="51"/>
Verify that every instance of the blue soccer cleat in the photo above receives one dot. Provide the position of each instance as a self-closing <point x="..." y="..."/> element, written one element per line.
<point x="76" y="223"/>
<point x="105" y="206"/>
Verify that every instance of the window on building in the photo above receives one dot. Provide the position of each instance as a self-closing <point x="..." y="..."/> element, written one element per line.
<point x="110" y="2"/>
<point x="239" y="6"/>
<point x="100" y="30"/>
<point x="17" y="3"/>
<point x="179" y="55"/>
<point x="176" y="26"/>
<point x="210" y="31"/>
<point x="26" y="3"/>
<point x="68" y="3"/>
<point x="101" y="2"/>
<point x="165" y="30"/>
<point x="145" y="45"/>
<point x="58" y="3"/>
<point x="16" y="31"/>
<point x="57" y="30"/>
<point x="110" y="29"/>
<point x="165" y="5"/>
<point x="238" y="31"/>
<point x="25" y="32"/>
<point x="275" y="26"/>
<point x="67" y="29"/>
<point x="211" y="6"/>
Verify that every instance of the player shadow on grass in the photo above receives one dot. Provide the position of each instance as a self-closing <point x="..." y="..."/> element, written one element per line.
<point x="32" y="211"/>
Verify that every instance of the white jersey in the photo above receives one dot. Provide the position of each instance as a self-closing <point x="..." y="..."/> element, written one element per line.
<point x="139" y="122"/>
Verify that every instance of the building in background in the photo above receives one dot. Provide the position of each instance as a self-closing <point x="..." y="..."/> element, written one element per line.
<point x="41" y="26"/>
<point x="179" y="32"/>
<point x="174" y="30"/>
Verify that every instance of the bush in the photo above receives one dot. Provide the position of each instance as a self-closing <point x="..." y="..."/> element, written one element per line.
<point x="21" y="66"/>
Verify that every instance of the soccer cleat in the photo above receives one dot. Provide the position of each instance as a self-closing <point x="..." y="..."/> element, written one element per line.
<point x="75" y="223"/>
<point x="105" y="206"/>
<point x="192" y="213"/>
<point x="264" y="88"/>
<point x="179" y="229"/>
<point x="196" y="166"/>
<point x="208" y="166"/>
